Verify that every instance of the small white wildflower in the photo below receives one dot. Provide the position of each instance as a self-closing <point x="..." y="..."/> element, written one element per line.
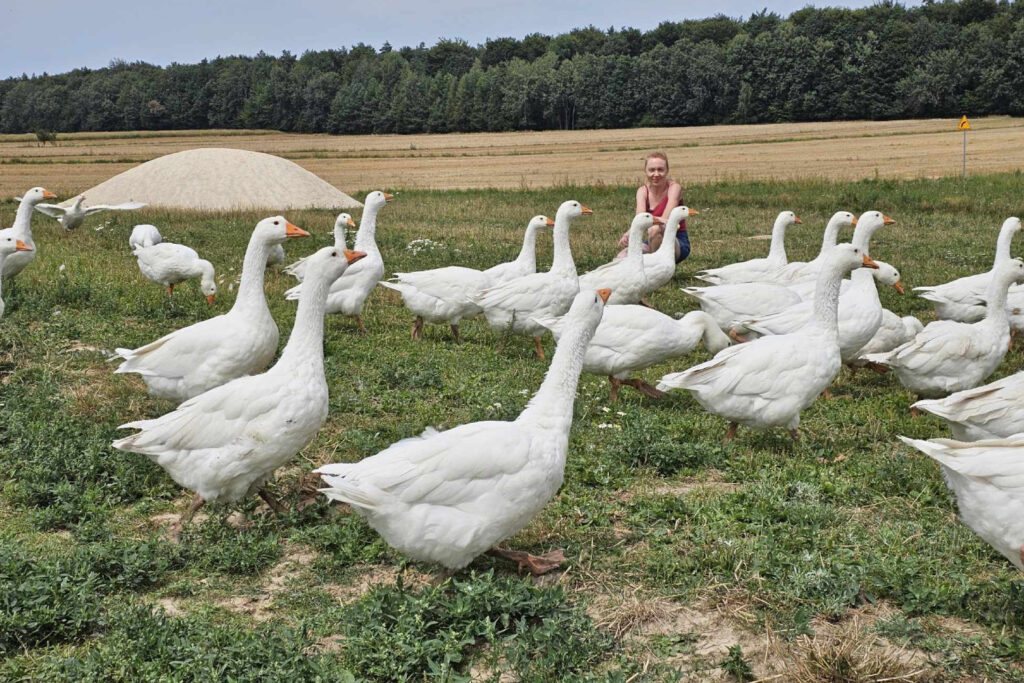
<point x="606" y="425"/>
<point x="620" y="413"/>
<point x="497" y="405"/>
<point x="605" y="409"/>
<point x="231" y="287"/>
<point x="524" y="392"/>
<point x="62" y="267"/>
<point x="57" y="312"/>
<point x="99" y="228"/>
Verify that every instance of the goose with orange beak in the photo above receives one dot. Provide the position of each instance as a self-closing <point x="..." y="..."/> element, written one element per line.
<point x="8" y="245"/>
<point x="447" y="497"/>
<point x="22" y="230"/>
<point x="243" y="341"/>
<point x="226" y="443"/>
<point x="767" y="382"/>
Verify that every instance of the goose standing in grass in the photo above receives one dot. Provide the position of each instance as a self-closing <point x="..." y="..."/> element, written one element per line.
<point x="22" y="230"/>
<point x="987" y="478"/>
<point x="730" y="305"/>
<point x="526" y="263"/>
<point x="950" y="356"/>
<point x="963" y="299"/>
<point x="243" y="341"/>
<point x="226" y="443"/>
<point x="767" y="382"/>
<point x="341" y="223"/>
<point x="144" y="235"/>
<point x="8" y="245"/>
<point x="73" y="216"/>
<point x="758" y="269"/>
<point x="992" y="411"/>
<point x="515" y="305"/>
<point x="439" y="296"/>
<point x="447" y="497"/>
<point x="660" y="267"/>
<point x="625" y="276"/>
<point x="893" y="331"/>
<point x="798" y="270"/>
<point x="168" y="264"/>
<point x="349" y="293"/>
<point x="632" y="338"/>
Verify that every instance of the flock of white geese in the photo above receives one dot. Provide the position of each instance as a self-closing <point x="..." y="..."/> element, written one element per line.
<point x="447" y="497"/>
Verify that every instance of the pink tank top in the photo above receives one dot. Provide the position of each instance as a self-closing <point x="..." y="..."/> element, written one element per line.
<point x="660" y="208"/>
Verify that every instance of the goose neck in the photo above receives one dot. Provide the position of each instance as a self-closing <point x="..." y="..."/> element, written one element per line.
<point x="306" y="343"/>
<point x="250" y="287"/>
<point x="668" y="240"/>
<point x="552" y="406"/>
<point x="528" y="254"/>
<point x="23" y="219"/>
<point x="366" y="236"/>
<point x="1003" y="245"/>
<point x="777" y="251"/>
<point x="826" y="301"/>
<point x="830" y="238"/>
<point x="562" y="261"/>
<point x="995" y="307"/>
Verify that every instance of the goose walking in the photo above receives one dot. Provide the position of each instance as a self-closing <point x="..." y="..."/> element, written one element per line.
<point x="517" y="304"/>
<point x="439" y="296"/>
<point x="447" y="497"/>
<point x="987" y="478"/>
<point x="526" y="263"/>
<point x="767" y="382"/>
<point x="950" y="356"/>
<point x="243" y="341"/>
<point x="168" y="264"/>
<point x="8" y="245"/>
<point x="349" y="293"/>
<point x="758" y="269"/>
<point x="22" y="230"/>
<point x="226" y="443"/>
<point x="73" y="216"/>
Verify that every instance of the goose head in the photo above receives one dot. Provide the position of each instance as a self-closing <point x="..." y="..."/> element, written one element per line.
<point x="841" y="219"/>
<point x="869" y="223"/>
<point x="641" y="222"/>
<point x="329" y="263"/>
<point x="9" y="245"/>
<point x="277" y="229"/>
<point x="37" y="195"/>
<point x="678" y="215"/>
<point x="888" y="275"/>
<point x="376" y="200"/>
<point x="538" y="222"/>
<point x="786" y="219"/>
<point x="1011" y="225"/>
<point x="846" y="257"/>
<point x="207" y="282"/>
<point x="911" y="325"/>
<point x="572" y="209"/>
<point x="341" y="223"/>
<point x="1008" y="272"/>
<point x="586" y="311"/>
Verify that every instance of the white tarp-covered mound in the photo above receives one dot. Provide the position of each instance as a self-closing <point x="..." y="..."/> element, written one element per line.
<point x="218" y="179"/>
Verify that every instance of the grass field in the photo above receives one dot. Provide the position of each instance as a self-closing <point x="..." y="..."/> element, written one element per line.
<point x="529" y="160"/>
<point x="838" y="558"/>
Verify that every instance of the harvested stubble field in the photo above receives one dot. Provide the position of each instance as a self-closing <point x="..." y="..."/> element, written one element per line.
<point x="839" y="558"/>
<point x="526" y="160"/>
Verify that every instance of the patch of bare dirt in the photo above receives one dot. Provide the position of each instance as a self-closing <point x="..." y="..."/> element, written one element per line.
<point x="377" y="576"/>
<point x="258" y="605"/>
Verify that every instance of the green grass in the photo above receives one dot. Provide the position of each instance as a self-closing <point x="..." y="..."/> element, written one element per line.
<point x="659" y="520"/>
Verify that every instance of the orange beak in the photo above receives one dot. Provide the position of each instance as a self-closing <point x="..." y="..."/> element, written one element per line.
<point x="294" y="230"/>
<point x="899" y="287"/>
<point x="351" y="223"/>
<point x="587" y="212"/>
<point x="21" y="246"/>
<point x="388" y="197"/>
<point x="694" y="212"/>
<point x="796" y="219"/>
<point x="209" y="299"/>
<point x="604" y="294"/>
<point x="854" y="222"/>
<point x="868" y="263"/>
<point x="886" y="220"/>
<point x="548" y="222"/>
<point x="353" y="256"/>
<point x="49" y="195"/>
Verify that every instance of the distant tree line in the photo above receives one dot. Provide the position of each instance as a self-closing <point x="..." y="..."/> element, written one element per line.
<point x="882" y="62"/>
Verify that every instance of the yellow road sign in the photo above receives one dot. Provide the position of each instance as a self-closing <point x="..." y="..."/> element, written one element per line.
<point x="964" y="124"/>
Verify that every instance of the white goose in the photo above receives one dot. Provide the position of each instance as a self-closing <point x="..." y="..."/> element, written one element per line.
<point x="757" y="269"/>
<point x="514" y="305"/>
<point x="440" y="296"/>
<point x="144" y="235"/>
<point x="168" y="264"/>
<point x="798" y="270"/>
<point x="992" y="411"/>
<point x="963" y="299"/>
<point x="950" y="356"/>
<point x="22" y="230"/>
<point x="730" y="305"/>
<point x="243" y="341"/>
<point x="988" y="480"/>
<point x="343" y="221"/>
<point x="447" y="497"/>
<point x="767" y="382"/>
<point x="8" y="245"/>
<point x="226" y="443"/>
<point x="73" y="216"/>
<point x="893" y="331"/>
<point x="349" y="293"/>
<point x="624" y="276"/>
<point x="526" y="263"/>
<point x="660" y="267"/>
<point x="632" y="338"/>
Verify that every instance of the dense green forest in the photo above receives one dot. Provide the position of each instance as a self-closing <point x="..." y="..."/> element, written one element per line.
<point x="886" y="61"/>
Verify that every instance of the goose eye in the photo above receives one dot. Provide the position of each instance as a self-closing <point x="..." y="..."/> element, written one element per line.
<point x="334" y="253"/>
<point x="277" y="223"/>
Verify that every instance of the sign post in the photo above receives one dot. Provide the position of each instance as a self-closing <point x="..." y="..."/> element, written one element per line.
<point x="965" y="126"/>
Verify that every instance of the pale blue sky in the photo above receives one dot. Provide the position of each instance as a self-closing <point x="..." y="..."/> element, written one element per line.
<point x="59" y="35"/>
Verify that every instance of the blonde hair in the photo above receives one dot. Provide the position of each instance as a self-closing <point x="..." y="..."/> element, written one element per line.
<point x="656" y="155"/>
